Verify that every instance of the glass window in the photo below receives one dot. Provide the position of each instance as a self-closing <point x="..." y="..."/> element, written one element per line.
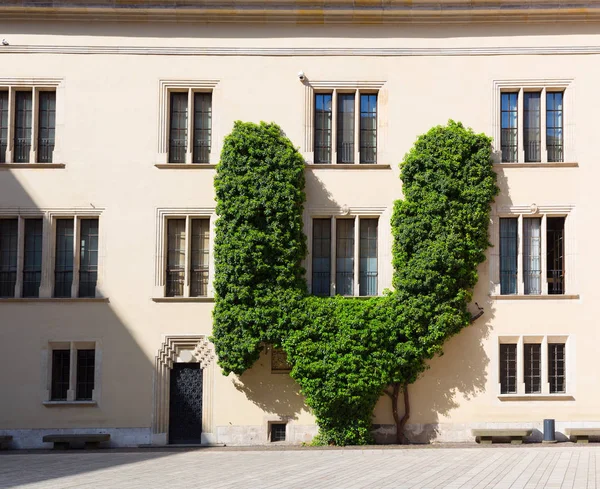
<point x="509" y="128"/>
<point x="344" y="257"/>
<point x="368" y="257"/>
<point x="345" y="128"/>
<point x="555" y="248"/>
<point x="46" y="126"/>
<point x="531" y="123"/>
<point x="557" y="368"/>
<point x="32" y="263"/>
<point x="23" y="119"/>
<point x="202" y="127"/>
<point x="368" y="128"/>
<point x="175" y="257"/>
<point x="533" y="368"/>
<point x="8" y="256"/>
<point x="508" y="369"/>
<point x="60" y="374"/>
<point x="554" y="126"/>
<point x="532" y="255"/>
<point x="3" y="125"/>
<point x="88" y="258"/>
<point x="321" y="257"/>
<point x="178" y="127"/>
<point x="199" y="263"/>
<point x="508" y="255"/>
<point x="323" y="110"/>
<point x="85" y="375"/>
<point x="63" y="267"/>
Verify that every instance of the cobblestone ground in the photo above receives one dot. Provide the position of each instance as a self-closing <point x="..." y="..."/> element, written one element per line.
<point x="558" y="466"/>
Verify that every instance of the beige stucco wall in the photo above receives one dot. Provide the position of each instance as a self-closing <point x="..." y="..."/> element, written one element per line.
<point x="108" y="116"/>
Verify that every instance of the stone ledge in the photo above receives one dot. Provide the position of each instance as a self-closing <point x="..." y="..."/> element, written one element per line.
<point x="70" y="403"/>
<point x="536" y="397"/>
<point x="536" y="165"/>
<point x="31" y="166"/>
<point x="185" y="166"/>
<point x="54" y="299"/>
<point x="353" y="166"/>
<point x="183" y="299"/>
<point x="549" y="297"/>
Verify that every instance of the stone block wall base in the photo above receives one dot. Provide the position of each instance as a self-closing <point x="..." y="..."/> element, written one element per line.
<point x="119" y="437"/>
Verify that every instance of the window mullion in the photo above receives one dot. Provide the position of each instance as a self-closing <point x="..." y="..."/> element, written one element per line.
<point x="333" y="263"/>
<point x="190" y="127"/>
<point x="20" y="256"/>
<point x="520" y="366"/>
<point x="544" y="150"/>
<point x="520" y="126"/>
<point x="34" y="124"/>
<point x="72" y="371"/>
<point x="11" y="125"/>
<point x="544" y="370"/>
<point x="76" y="256"/>
<point x="357" y="127"/>
<point x="188" y="256"/>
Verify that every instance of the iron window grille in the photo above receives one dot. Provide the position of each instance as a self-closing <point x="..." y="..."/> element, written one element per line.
<point x="350" y="136"/>
<point x="8" y="256"/>
<point x="533" y="368"/>
<point x="509" y="127"/>
<point x="88" y="257"/>
<point x="531" y="126"/>
<point x="335" y="254"/>
<point x="32" y="263"/>
<point x="61" y="369"/>
<point x="3" y="125"/>
<point x="554" y="126"/>
<point x="190" y="136"/>
<point x="73" y="372"/>
<point x="64" y="258"/>
<point x="278" y="432"/>
<point x="555" y="255"/>
<point x="508" y="255"/>
<point x="557" y="375"/>
<point x="508" y="368"/>
<point x="84" y="386"/>
<point x="46" y="126"/>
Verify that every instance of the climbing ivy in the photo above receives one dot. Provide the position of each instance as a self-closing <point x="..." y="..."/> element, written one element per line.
<point x="346" y="352"/>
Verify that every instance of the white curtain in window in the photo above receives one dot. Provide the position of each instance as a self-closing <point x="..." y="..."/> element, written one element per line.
<point x="532" y="255"/>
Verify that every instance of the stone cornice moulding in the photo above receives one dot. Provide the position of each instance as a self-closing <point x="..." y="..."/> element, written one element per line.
<point x="345" y="211"/>
<point x="533" y="209"/>
<point x="305" y="11"/>
<point x="40" y="82"/>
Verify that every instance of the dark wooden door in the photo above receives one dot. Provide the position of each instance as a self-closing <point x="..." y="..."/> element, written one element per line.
<point x="185" y="404"/>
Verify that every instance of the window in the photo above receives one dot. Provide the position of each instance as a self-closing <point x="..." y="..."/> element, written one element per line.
<point x="541" y="137"/>
<point x="32" y="266"/>
<point x="25" y="138"/>
<point x="8" y="257"/>
<point x="279" y="363"/>
<point x="187" y="271"/>
<point x="534" y="365"/>
<point x="72" y="249"/>
<point x="539" y="268"/>
<point x="72" y="372"/>
<point x="277" y="432"/>
<point x="352" y="109"/>
<point x="190" y="137"/>
<point x="354" y="267"/>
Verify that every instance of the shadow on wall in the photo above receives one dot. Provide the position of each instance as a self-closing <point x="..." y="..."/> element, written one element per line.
<point x="30" y="329"/>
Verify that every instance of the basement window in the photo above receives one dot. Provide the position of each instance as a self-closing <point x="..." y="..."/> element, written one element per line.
<point x="277" y="432"/>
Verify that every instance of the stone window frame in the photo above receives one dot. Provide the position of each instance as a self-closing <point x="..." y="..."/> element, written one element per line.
<point x="163" y="214"/>
<point x="49" y="217"/>
<point x="73" y="346"/>
<point x="565" y="85"/>
<point x="544" y="339"/>
<point x="166" y="86"/>
<point x="35" y="85"/>
<point x="570" y="242"/>
<point x="344" y="86"/>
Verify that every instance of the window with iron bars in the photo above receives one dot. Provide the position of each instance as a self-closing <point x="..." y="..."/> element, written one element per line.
<point x="190" y="137"/>
<point x="532" y="125"/>
<point x="532" y="279"/>
<point x="23" y="137"/>
<point x="72" y="372"/>
<point x="188" y="241"/>
<point x="345" y="127"/>
<point x="339" y="266"/>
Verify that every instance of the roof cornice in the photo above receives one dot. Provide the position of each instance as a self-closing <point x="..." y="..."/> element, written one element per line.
<point x="305" y="11"/>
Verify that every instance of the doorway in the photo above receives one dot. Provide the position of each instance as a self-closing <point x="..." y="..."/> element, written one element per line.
<point x="185" y="404"/>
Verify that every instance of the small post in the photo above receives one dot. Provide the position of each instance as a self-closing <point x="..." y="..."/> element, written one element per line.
<point x="549" y="432"/>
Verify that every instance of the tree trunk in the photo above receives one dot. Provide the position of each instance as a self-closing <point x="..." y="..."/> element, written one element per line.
<point x="400" y="422"/>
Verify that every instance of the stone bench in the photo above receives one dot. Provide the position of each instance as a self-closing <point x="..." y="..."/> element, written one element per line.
<point x="582" y="435"/>
<point x="516" y="436"/>
<point x="5" y="440"/>
<point x="91" y="440"/>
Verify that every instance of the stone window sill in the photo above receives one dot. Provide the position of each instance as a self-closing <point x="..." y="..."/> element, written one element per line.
<point x="549" y="297"/>
<point x="536" y="397"/>
<point x="537" y="165"/>
<point x="54" y="299"/>
<point x="183" y="299"/>
<point x="15" y="166"/>
<point x="354" y="166"/>
<point x="286" y="372"/>
<point x="70" y="403"/>
<point x="185" y="166"/>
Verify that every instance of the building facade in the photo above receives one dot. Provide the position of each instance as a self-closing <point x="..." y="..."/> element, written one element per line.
<point x="112" y="118"/>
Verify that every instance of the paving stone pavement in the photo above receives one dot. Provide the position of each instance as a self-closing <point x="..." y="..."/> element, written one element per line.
<point x="524" y="467"/>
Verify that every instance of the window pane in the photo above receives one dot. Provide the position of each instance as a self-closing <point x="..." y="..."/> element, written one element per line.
<point x="199" y="262"/>
<point x="178" y="127"/>
<point x="533" y="368"/>
<point x="8" y="256"/>
<point x="323" y="128"/>
<point x="509" y="130"/>
<point x="368" y="128"/>
<point x="345" y="128"/>
<point x="508" y="255"/>
<point x="175" y="257"/>
<point x="3" y="125"/>
<point x="46" y="126"/>
<point x="63" y="265"/>
<point x="531" y="122"/>
<point x="60" y="374"/>
<point x="554" y="126"/>
<point x="85" y="374"/>
<point x="344" y="279"/>
<point x="508" y="369"/>
<point x="557" y="368"/>
<point x="532" y="255"/>
<point x="22" y="143"/>
<point x="32" y="263"/>
<point x="321" y="257"/>
<point x="368" y="257"/>
<point x="555" y="262"/>
<point x="88" y="258"/>
<point x="202" y="127"/>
